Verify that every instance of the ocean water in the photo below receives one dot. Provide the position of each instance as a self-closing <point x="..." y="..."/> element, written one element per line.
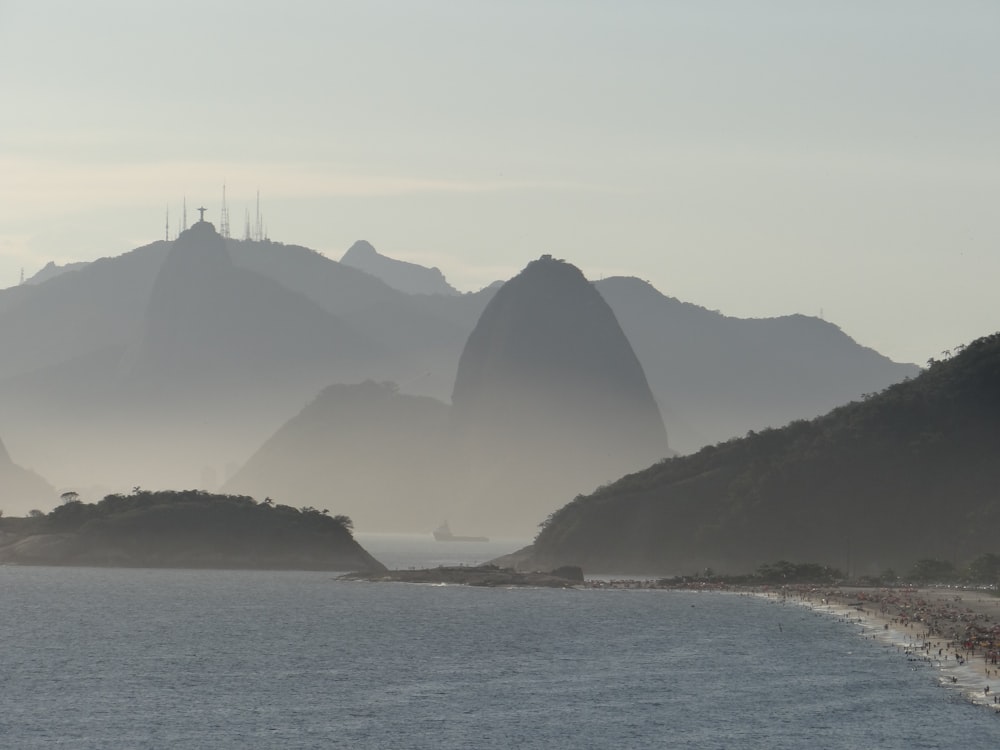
<point x="96" y="658"/>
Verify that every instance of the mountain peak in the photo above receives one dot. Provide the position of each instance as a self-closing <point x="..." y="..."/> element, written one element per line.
<point x="549" y="322"/>
<point x="197" y="250"/>
<point x="401" y="275"/>
<point x="550" y="398"/>
<point x="360" y="250"/>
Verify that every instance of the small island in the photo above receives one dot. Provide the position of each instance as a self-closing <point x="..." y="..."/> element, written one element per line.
<point x="183" y="529"/>
<point x="478" y="575"/>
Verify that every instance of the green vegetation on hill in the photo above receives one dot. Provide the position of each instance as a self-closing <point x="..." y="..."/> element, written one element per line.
<point x="183" y="529"/>
<point x="907" y="474"/>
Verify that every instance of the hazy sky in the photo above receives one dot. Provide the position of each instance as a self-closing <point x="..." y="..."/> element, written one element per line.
<point x="760" y="158"/>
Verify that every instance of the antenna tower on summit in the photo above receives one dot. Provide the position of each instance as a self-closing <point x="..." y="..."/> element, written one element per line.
<point x="166" y="226"/>
<point x="258" y="231"/>
<point x="224" y="220"/>
<point x="184" y="215"/>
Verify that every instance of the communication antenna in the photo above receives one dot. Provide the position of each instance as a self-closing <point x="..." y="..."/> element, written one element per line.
<point x="224" y="220"/>
<point x="22" y="274"/>
<point x="258" y="233"/>
<point x="166" y="226"/>
<point x="184" y="215"/>
<point x="246" y="230"/>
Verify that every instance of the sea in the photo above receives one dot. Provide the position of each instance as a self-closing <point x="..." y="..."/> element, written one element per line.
<point x="131" y="658"/>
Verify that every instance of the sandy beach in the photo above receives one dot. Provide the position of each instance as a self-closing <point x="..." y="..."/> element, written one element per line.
<point x="957" y="631"/>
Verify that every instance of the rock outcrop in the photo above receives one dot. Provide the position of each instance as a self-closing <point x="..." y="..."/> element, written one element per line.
<point x="549" y="401"/>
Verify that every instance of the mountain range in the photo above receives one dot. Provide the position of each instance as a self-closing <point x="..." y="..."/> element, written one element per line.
<point x="401" y="275"/>
<point x="549" y="401"/>
<point x="172" y="364"/>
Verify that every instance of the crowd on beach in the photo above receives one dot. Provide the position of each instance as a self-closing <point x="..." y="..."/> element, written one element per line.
<point x="941" y="626"/>
<point x="932" y="613"/>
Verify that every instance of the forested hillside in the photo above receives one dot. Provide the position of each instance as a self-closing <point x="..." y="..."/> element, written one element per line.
<point x="908" y="473"/>
<point x="190" y="529"/>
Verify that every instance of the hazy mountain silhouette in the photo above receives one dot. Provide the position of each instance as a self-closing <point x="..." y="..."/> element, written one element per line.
<point x="223" y="354"/>
<point x="376" y="455"/>
<point x="172" y="386"/>
<point x="549" y="400"/>
<point x="72" y="315"/>
<point x="716" y="376"/>
<point x="200" y="365"/>
<point x="211" y="325"/>
<point x="22" y="490"/>
<point x="117" y="375"/>
<point x="51" y="270"/>
<point x="399" y="274"/>
<point x="69" y="318"/>
<point x="422" y="334"/>
<point x="907" y="474"/>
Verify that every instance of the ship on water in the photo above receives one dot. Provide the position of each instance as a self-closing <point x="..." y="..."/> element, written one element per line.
<point x="443" y="534"/>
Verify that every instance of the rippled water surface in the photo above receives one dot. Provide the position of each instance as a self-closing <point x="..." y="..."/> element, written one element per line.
<point x="217" y="659"/>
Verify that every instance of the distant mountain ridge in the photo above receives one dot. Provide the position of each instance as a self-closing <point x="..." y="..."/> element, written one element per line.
<point x="377" y="455"/>
<point x="411" y="278"/>
<point x="549" y="401"/>
<point x="204" y="339"/>
<point x="106" y="381"/>
<point x="210" y="323"/>
<point x="51" y="270"/>
<point x="717" y="376"/>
